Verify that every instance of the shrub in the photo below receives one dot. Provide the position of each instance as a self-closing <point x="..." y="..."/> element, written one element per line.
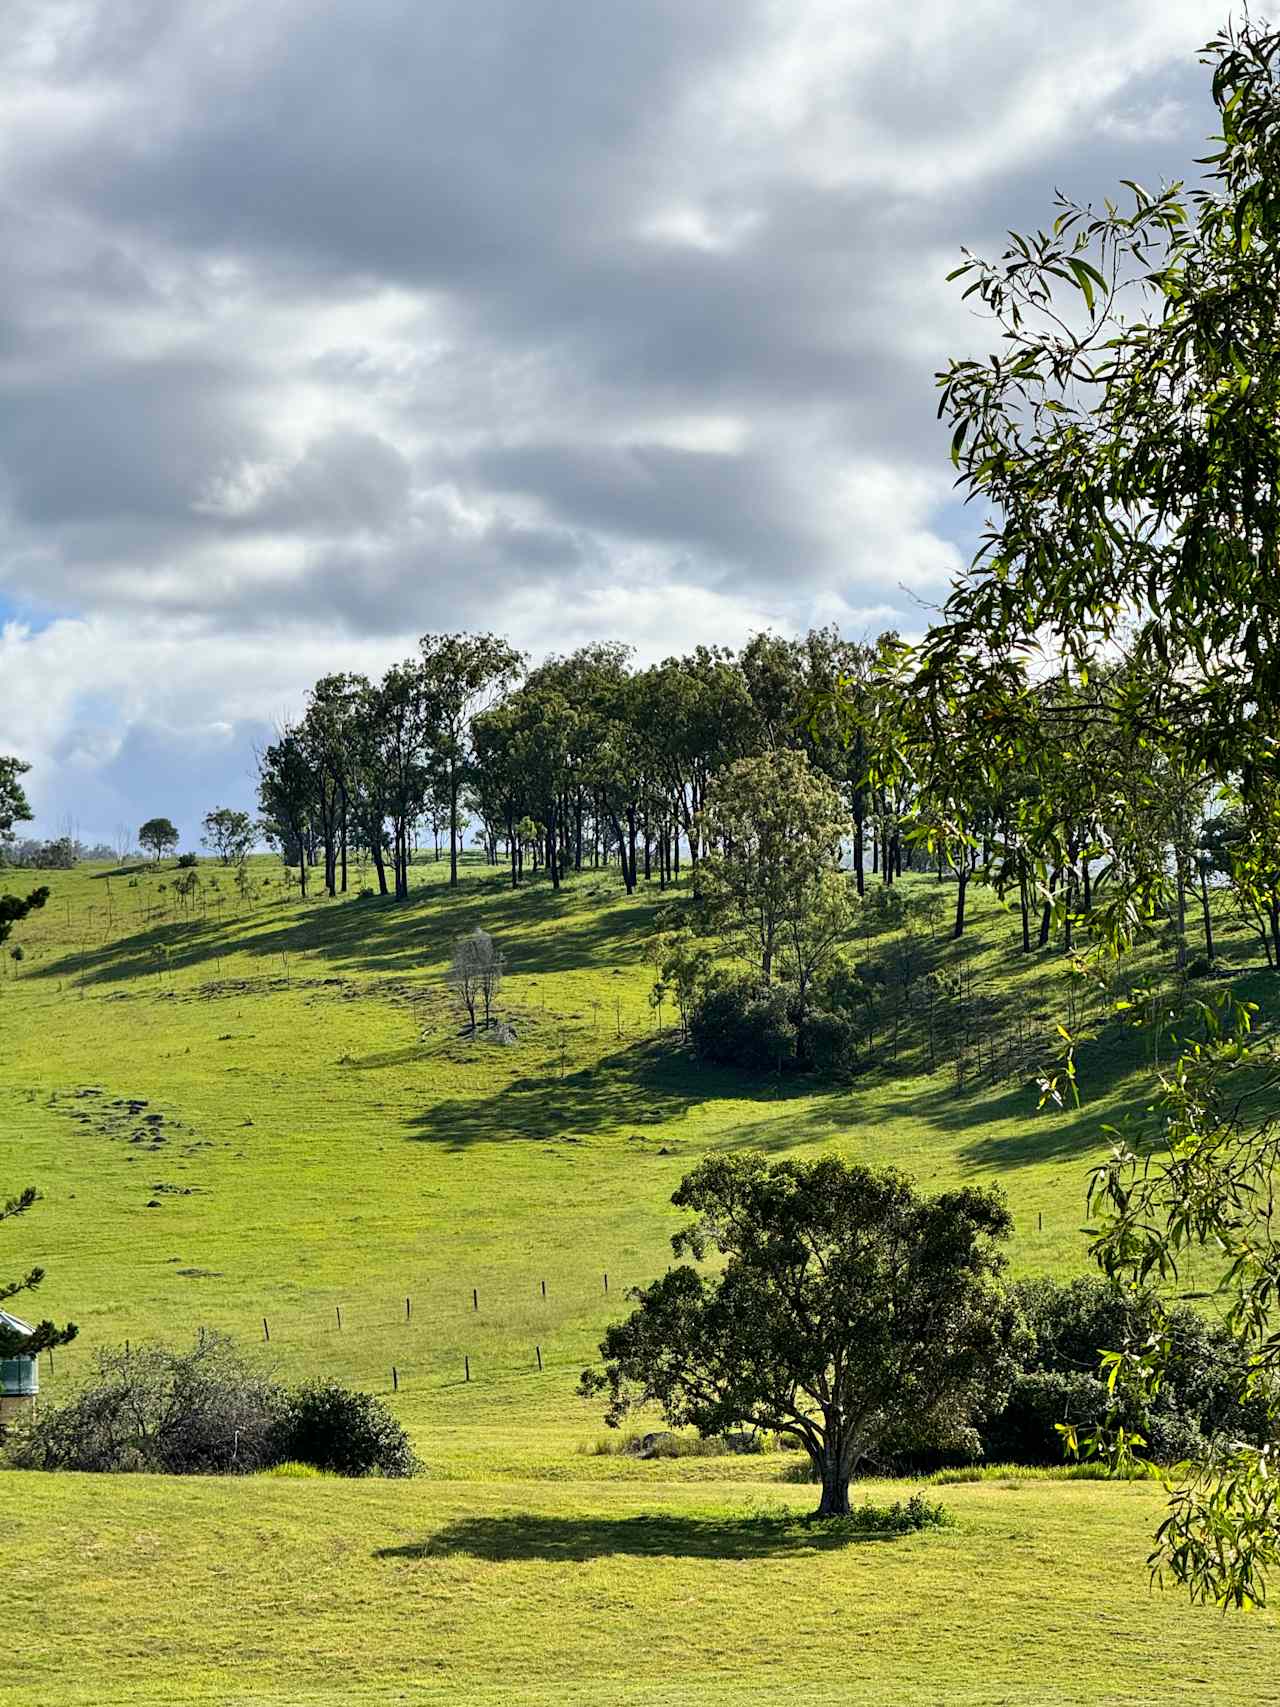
<point x="199" y="1412"/>
<point x="186" y="861"/>
<point x="829" y="1044"/>
<point x="209" y="1411"/>
<point x="1059" y="1381"/>
<point x="354" y="1434"/>
<point x="741" y="1024"/>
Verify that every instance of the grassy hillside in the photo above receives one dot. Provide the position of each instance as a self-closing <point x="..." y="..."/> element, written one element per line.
<point x="263" y="1109"/>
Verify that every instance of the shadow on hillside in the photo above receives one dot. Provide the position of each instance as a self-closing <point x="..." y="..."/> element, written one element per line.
<point x="1103" y="1068"/>
<point x="641" y="1084"/>
<point x="539" y="931"/>
<point x="575" y="1540"/>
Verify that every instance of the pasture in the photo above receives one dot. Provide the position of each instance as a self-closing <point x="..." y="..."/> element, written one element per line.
<point x="259" y="1115"/>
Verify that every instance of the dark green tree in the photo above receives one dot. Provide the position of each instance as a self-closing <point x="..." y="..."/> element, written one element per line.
<point x="159" y="836"/>
<point x="847" y="1311"/>
<point x="14" y="807"/>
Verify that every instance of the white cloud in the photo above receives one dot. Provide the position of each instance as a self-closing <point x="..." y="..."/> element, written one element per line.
<point x="320" y="326"/>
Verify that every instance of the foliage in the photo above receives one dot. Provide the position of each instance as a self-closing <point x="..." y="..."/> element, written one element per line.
<point x="1199" y="1399"/>
<point x="204" y="1411"/>
<point x="350" y="1433"/>
<point x="14" y="806"/>
<point x="773" y="891"/>
<point x="845" y="1303"/>
<point x="738" y="1022"/>
<point x="1124" y="441"/>
<point x="209" y="1410"/>
<point x="187" y="861"/>
<point x="15" y="908"/>
<point x="229" y="834"/>
<point x="158" y="836"/>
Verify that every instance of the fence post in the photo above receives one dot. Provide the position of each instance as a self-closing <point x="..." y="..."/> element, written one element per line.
<point x="395" y="1379"/>
<point x="407" y="1310"/>
<point x="338" y="1309"/>
<point x="266" y="1331"/>
<point x="466" y="1364"/>
<point x="538" y="1349"/>
<point x="475" y="1299"/>
<point x="544" y="1289"/>
<point x="606" y="1283"/>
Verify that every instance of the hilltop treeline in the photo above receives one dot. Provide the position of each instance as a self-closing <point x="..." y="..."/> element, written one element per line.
<point x="580" y="760"/>
<point x="586" y="760"/>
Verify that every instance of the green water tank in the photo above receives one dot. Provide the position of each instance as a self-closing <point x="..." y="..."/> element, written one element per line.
<point x="19" y="1376"/>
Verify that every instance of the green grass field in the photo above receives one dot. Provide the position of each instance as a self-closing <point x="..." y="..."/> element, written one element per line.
<point x="264" y="1111"/>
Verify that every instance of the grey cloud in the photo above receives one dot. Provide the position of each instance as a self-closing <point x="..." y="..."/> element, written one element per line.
<point x="346" y="481"/>
<point x="365" y="315"/>
<point x="729" y="505"/>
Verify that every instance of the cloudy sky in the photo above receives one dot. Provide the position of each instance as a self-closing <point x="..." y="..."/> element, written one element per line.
<point x="322" y="325"/>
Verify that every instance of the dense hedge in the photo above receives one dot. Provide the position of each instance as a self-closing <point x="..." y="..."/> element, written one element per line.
<point x="1059" y="1382"/>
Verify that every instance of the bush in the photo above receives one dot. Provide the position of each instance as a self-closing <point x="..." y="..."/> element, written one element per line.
<point x="1059" y="1382"/>
<point x="829" y="1044"/>
<point x="354" y="1434"/>
<point x="198" y="1412"/>
<point x="208" y="1411"/>
<point x="186" y="861"/>
<point x="738" y="1023"/>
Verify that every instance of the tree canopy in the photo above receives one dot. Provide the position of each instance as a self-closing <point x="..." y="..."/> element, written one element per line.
<point x="848" y="1310"/>
<point x="229" y="834"/>
<point x="159" y="836"/>
<point x="1107" y="663"/>
<point x="14" y="806"/>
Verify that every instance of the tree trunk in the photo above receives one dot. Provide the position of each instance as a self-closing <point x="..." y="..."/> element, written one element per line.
<point x="859" y="853"/>
<point x="453" y="825"/>
<point x="1181" y="890"/>
<point x="379" y="863"/>
<point x="962" y="885"/>
<point x="835" y="1487"/>
<point x="1204" y="907"/>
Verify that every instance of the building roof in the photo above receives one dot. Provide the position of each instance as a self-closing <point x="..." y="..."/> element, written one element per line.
<point x="15" y="1324"/>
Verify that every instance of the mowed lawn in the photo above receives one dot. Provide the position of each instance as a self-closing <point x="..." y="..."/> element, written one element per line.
<point x="266" y="1591"/>
<point x="260" y="1116"/>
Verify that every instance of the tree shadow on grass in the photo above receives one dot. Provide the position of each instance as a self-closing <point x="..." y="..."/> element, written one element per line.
<point x="642" y="1085"/>
<point x="574" y="1540"/>
<point x="540" y="930"/>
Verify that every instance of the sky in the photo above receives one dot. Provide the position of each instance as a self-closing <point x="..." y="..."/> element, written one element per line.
<point x="323" y="326"/>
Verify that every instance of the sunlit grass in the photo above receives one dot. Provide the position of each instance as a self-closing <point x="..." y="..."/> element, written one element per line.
<point x="340" y="1178"/>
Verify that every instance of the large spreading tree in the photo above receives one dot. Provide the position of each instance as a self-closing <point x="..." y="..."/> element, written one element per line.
<point x="847" y="1312"/>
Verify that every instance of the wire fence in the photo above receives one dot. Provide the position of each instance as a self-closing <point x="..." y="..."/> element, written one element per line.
<point x="431" y="1340"/>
